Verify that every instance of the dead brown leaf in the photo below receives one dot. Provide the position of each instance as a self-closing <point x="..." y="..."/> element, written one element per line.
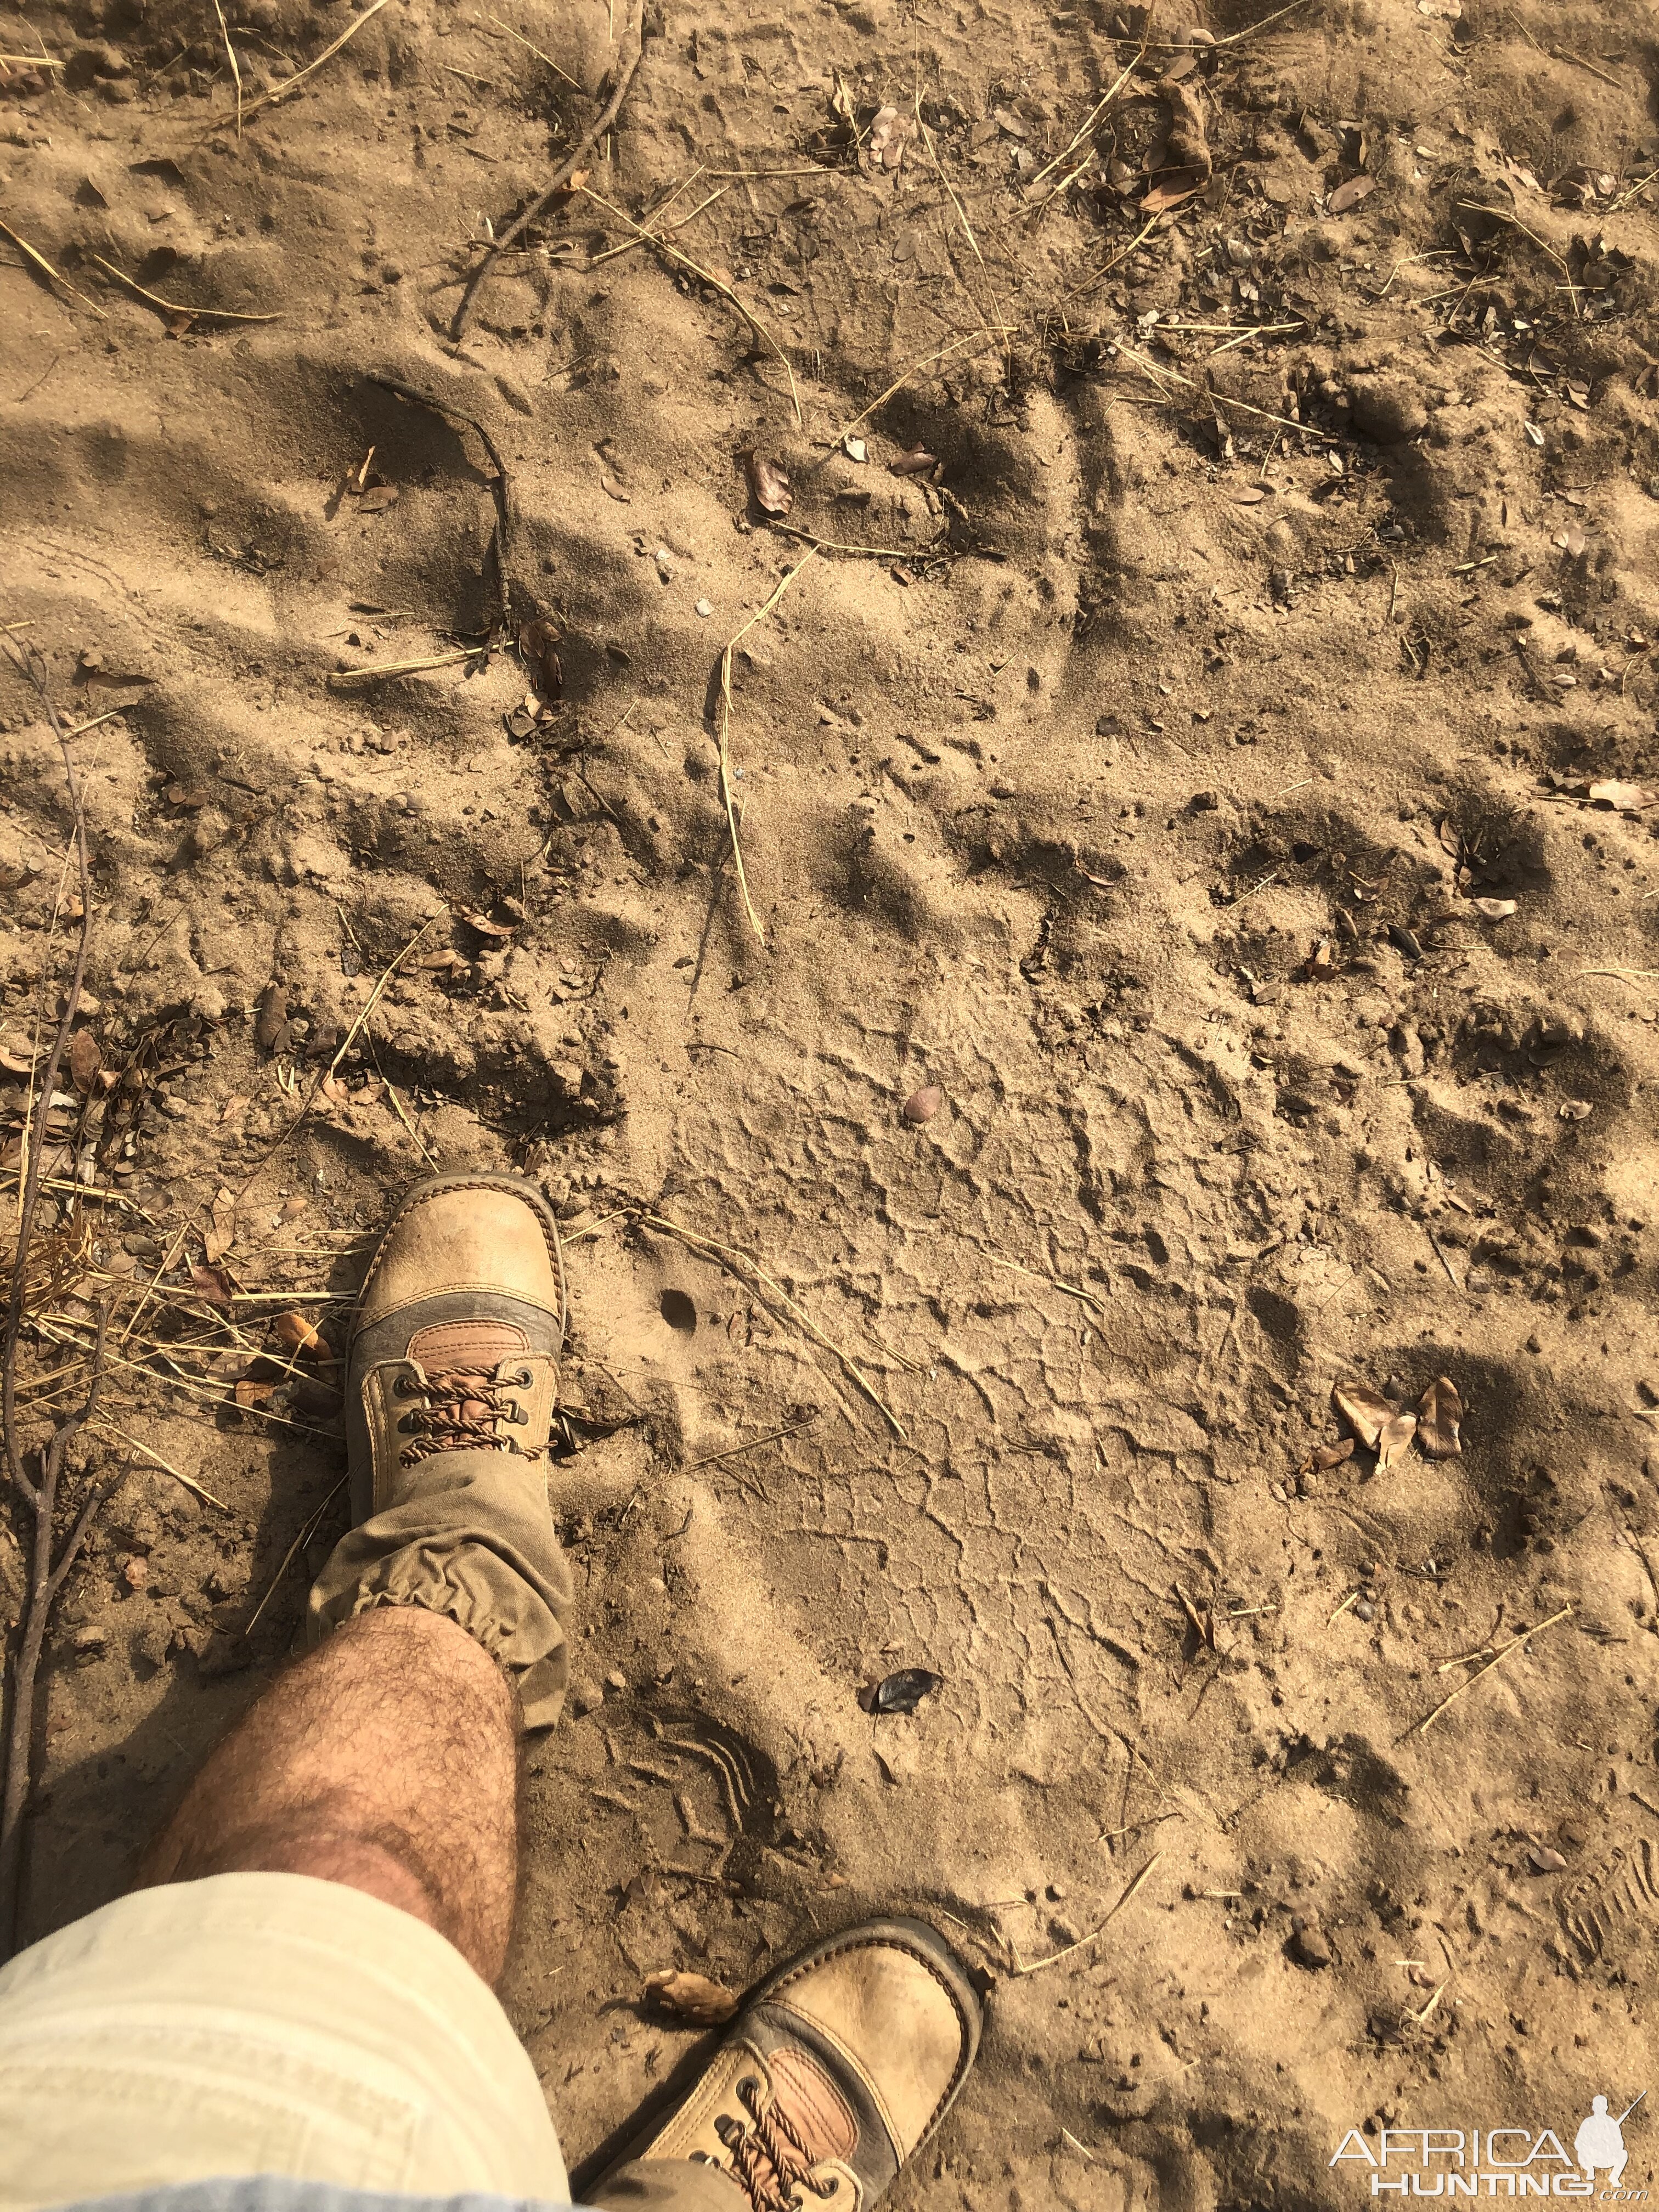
<point x="1187" y="146"/>
<point x="537" y="642"/>
<point x="85" y="1059"/>
<point x="271" y="1019"/>
<point x="690" y="1996"/>
<point x="210" y="1285"/>
<point x="1439" y="1416"/>
<point x="377" y="498"/>
<point x="774" y="493"/>
<point x="1628" y="797"/>
<point x="1171" y="188"/>
<point x="222" y="1235"/>
<point x="1395" y="1439"/>
<point x="254" y="1394"/>
<point x="297" y="1334"/>
<point x="501" y="932"/>
<point x="1366" y="1412"/>
<point x="891" y="132"/>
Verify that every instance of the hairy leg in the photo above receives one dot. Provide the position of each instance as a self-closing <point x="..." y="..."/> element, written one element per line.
<point x="386" y="1759"/>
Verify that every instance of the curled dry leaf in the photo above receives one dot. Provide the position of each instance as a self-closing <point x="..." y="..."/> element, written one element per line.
<point x="1350" y="194"/>
<point x="690" y="1996"/>
<point x="254" y="1394"/>
<point x="500" y="931"/>
<point x="1187" y="145"/>
<point x="537" y="640"/>
<point x="1171" y="188"/>
<point x="296" y="1333"/>
<point x="1628" y="797"/>
<point x="271" y="1019"/>
<point x="1366" y="1412"/>
<point x="915" y="463"/>
<point x="1325" y="1456"/>
<point x="210" y="1285"/>
<point x="1439" y="1414"/>
<point x="922" y="1105"/>
<point x="770" y="485"/>
<point x="890" y="134"/>
<point x="85" y="1059"/>
<point x="1395" y="1439"/>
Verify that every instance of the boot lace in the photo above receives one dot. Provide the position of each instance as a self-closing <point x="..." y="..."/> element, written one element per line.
<point x="769" y="2159"/>
<point x="461" y="1409"/>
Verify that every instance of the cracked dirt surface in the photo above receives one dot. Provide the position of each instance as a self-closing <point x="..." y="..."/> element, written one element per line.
<point x="1176" y="668"/>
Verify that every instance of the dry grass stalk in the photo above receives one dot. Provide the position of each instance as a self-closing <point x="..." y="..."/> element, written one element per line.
<point x="235" y="66"/>
<point x="49" y="1561"/>
<point x="292" y="84"/>
<point x="743" y="1263"/>
<point x="724" y="739"/>
<point x="1037" y="1966"/>
<point x="175" y="307"/>
<point x="645" y="237"/>
<point x="56" y="276"/>
<point x="1480" y="1674"/>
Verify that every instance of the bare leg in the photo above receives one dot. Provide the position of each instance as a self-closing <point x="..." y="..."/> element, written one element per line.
<point x="386" y="1759"/>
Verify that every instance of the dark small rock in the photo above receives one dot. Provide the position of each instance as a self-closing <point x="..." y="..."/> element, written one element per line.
<point x="1308" y="1945"/>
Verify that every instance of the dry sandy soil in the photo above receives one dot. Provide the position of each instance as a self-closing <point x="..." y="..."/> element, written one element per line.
<point x="1138" y="791"/>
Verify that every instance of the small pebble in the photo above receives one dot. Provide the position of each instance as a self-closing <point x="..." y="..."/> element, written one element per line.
<point x="705" y="607"/>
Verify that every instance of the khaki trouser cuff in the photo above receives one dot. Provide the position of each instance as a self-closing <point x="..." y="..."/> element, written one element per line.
<point x="473" y="1540"/>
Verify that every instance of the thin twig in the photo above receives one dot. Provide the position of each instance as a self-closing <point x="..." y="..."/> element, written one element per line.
<point x="56" y="275"/>
<point x="731" y="1452"/>
<point x="342" y="679"/>
<point x="235" y="66"/>
<point x="201" y="1490"/>
<point x="520" y="40"/>
<point x="1224" y="398"/>
<point x="46" y="1575"/>
<point x="177" y="306"/>
<point x="1481" y="1672"/>
<point x="290" y="84"/>
<point x="515" y="602"/>
<point x="628" y="62"/>
<point x="307" y="1530"/>
<point x="723" y="741"/>
<point x="745" y="1261"/>
<point x="899" y="382"/>
<point x="705" y="276"/>
<point x="1037" y="1966"/>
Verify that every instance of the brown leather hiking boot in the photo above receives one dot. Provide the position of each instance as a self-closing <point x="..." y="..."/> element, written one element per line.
<point x="451" y="1383"/>
<point x="457" y="1335"/>
<point x="837" y="2069"/>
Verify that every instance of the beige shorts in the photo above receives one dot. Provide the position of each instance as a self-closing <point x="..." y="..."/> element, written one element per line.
<point x="261" y="2023"/>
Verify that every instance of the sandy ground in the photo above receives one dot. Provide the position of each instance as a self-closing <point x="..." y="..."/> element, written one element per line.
<point x="1138" y="793"/>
